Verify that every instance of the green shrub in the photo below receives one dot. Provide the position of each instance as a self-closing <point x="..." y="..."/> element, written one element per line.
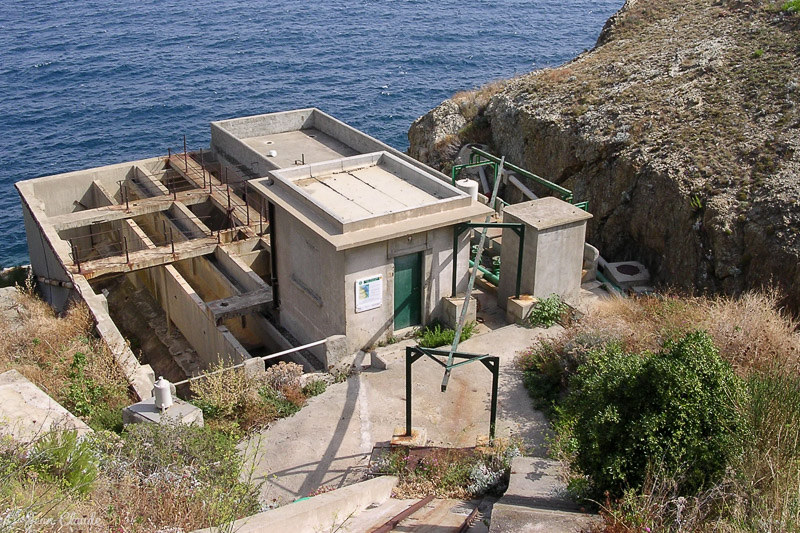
<point x="674" y="410"/>
<point x="547" y="312"/>
<point x="315" y="388"/>
<point x="792" y="6"/>
<point x="435" y="335"/>
<point x="83" y="394"/>
<point x="65" y="458"/>
<point x="278" y="400"/>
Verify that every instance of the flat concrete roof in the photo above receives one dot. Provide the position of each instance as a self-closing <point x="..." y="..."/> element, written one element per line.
<point x="546" y="213"/>
<point x="364" y="192"/>
<point x="299" y="147"/>
<point x="367" y="198"/>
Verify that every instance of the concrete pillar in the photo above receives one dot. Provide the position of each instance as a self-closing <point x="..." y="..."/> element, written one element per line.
<point x="555" y="232"/>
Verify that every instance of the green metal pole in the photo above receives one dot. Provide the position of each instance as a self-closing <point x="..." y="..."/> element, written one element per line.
<point x="455" y="261"/>
<point x="409" y="362"/>
<point x="521" y="236"/>
<point x="495" y="368"/>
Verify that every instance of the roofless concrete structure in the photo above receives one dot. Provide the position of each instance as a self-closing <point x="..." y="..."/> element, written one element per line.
<point x="293" y="227"/>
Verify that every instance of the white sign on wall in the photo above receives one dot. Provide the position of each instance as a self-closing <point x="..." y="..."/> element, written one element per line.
<point x="369" y="293"/>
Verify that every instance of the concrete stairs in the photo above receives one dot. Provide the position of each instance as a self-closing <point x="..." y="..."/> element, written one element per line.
<point x="536" y="500"/>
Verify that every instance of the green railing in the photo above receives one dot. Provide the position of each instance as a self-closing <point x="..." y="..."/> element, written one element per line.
<point x="478" y="158"/>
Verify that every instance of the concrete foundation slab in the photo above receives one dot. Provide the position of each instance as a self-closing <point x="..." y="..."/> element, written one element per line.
<point x="27" y="412"/>
<point x="418" y="437"/>
<point x="627" y="274"/>
<point x="146" y="412"/>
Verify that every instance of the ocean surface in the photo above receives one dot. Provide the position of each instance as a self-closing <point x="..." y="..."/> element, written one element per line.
<point x="90" y="83"/>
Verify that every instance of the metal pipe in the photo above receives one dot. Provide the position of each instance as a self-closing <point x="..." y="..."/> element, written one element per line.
<point x="488" y="274"/>
<point x="185" y="155"/>
<point x="566" y="194"/>
<point x="125" y="242"/>
<point x="273" y="255"/>
<point x="264" y="358"/>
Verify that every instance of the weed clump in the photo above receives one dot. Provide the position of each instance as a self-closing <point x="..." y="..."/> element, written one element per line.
<point x="547" y="312"/>
<point x="435" y="335"/>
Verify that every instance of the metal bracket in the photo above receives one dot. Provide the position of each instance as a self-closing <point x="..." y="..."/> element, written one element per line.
<point x="516" y="227"/>
<point x="491" y="362"/>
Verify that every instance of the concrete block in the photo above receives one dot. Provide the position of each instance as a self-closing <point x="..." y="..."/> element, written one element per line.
<point x="452" y="308"/>
<point x="336" y="350"/>
<point x="518" y="309"/>
<point x="514" y="519"/>
<point x="27" y="412"/>
<point x="627" y="274"/>
<point x="418" y="437"/>
<point x="254" y="366"/>
<point x="146" y="412"/>
<point x="326" y="512"/>
<point x="375" y="362"/>
<point x="553" y="249"/>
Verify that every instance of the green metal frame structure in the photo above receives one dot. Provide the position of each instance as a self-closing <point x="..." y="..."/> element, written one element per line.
<point x="491" y="362"/>
<point x="478" y="158"/>
<point x="517" y="227"/>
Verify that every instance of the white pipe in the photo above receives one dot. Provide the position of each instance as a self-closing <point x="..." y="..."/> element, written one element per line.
<point x="526" y="191"/>
<point x="271" y="356"/>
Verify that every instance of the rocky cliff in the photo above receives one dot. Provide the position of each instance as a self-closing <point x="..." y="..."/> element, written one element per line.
<point x="681" y="128"/>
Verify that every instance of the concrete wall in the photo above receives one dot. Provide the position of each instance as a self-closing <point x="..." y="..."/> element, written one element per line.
<point x="309" y="281"/>
<point x="368" y="327"/>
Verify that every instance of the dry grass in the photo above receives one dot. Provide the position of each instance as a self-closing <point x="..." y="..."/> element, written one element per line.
<point x="751" y="331"/>
<point x="474" y="102"/>
<point x="42" y="345"/>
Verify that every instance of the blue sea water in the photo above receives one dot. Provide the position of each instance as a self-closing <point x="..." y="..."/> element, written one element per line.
<point x="89" y="83"/>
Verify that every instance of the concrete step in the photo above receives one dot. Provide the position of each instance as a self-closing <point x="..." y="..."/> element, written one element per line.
<point x="517" y="519"/>
<point x="330" y="511"/>
<point x="537" y="500"/>
<point x="536" y="482"/>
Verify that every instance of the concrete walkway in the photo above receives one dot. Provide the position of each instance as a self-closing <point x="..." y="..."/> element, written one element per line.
<point x="329" y="441"/>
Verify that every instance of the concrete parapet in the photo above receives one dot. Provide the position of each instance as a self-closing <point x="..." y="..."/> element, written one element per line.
<point x="336" y="350"/>
<point x="325" y="512"/>
<point x="452" y="308"/>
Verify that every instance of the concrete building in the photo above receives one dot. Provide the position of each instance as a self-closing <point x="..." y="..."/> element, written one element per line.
<point x="292" y="228"/>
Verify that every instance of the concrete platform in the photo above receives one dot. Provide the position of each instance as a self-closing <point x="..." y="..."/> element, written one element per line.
<point x="27" y="412"/>
<point x="146" y="412"/>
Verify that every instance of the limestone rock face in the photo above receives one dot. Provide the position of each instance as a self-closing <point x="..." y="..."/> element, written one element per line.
<point x="682" y="130"/>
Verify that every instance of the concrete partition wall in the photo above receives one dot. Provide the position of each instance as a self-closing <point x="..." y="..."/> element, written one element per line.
<point x="184" y="307"/>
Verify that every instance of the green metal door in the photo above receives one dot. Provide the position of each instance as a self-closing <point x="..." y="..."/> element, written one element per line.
<point x="407" y="290"/>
